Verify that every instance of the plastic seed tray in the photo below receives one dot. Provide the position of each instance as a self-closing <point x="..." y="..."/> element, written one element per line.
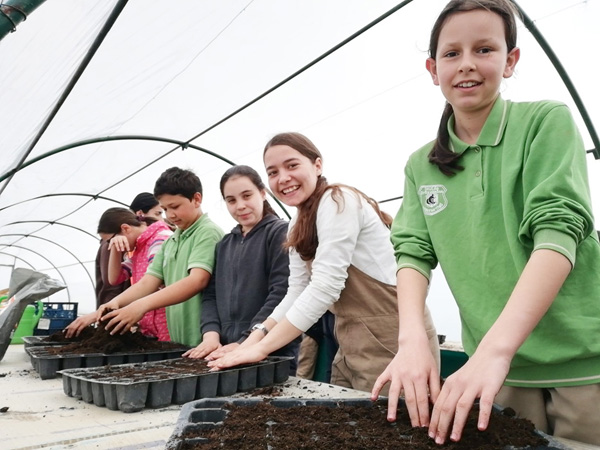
<point x="40" y="341"/>
<point x="200" y="417"/>
<point x="133" y="387"/>
<point x="48" y="364"/>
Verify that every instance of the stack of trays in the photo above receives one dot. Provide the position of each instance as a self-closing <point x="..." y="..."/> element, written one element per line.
<point x="47" y="364"/>
<point x="132" y="387"/>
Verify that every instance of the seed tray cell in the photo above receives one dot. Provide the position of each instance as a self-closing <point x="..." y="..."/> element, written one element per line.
<point x="200" y="417"/>
<point x="47" y="364"/>
<point x="157" y="384"/>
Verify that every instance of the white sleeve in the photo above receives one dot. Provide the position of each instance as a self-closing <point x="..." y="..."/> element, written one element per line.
<point x="338" y="229"/>
<point x="298" y="280"/>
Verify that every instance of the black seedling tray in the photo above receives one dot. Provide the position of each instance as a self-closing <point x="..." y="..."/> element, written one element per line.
<point x="208" y="414"/>
<point x="159" y="384"/>
<point x="41" y="341"/>
<point x="47" y="364"/>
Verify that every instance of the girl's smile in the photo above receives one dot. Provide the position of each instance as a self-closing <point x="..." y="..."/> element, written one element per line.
<point x="292" y="176"/>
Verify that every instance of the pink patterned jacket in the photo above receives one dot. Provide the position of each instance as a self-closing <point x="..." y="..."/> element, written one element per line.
<point x="154" y="323"/>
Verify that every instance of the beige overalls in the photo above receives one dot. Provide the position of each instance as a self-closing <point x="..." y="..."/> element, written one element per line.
<point x="366" y="327"/>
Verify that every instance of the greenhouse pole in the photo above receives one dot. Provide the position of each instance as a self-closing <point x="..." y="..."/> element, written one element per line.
<point x="13" y="12"/>
<point x="530" y="25"/>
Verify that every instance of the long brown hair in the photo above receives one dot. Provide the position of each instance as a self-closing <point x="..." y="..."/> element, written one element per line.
<point x="303" y="235"/>
<point x="441" y="155"/>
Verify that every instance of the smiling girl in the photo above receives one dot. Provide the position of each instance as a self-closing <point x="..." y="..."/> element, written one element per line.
<point x="501" y="200"/>
<point x="341" y="259"/>
<point x="251" y="269"/>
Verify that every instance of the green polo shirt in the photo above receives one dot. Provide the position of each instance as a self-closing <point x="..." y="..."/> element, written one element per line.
<point x="524" y="187"/>
<point x="193" y="248"/>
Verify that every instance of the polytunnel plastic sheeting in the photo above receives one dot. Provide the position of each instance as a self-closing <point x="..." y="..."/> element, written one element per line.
<point x="176" y="70"/>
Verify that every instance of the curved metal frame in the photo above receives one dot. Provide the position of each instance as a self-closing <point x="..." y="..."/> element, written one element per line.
<point x="112" y="18"/>
<point x="65" y="194"/>
<point x="49" y="262"/>
<point x="564" y="77"/>
<point x="180" y="144"/>
<point x="49" y="222"/>
<point x="52" y="242"/>
<point x="16" y="257"/>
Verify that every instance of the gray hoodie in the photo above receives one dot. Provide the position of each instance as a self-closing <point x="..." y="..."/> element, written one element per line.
<point x="249" y="279"/>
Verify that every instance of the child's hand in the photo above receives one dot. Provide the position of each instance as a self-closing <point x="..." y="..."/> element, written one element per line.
<point x="480" y="378"/>
<point x="121" y="320"/>
<point x="245" y="355"/>
<point x="79" y="324"/>
<point x="414" y="372"/>
<point x="112" y="305"/>
<point x="218" y="353"/>
<point x="119" y="243"/>
<point x="210" y="343"/>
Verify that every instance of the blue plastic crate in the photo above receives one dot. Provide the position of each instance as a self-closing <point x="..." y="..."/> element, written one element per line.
<point x="56" y="317"/>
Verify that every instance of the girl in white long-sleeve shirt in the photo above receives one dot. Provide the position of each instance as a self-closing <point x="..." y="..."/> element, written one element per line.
<point x="341" y="258"/>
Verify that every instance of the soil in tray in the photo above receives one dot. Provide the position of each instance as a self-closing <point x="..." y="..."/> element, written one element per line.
<point x="156" y="370"/>
<point x="98" y="340"/>
<point x="349" y="427"/>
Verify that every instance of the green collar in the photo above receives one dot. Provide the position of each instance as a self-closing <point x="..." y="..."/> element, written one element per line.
<point x="183" y="234"/>
<point x="492" y="131"/>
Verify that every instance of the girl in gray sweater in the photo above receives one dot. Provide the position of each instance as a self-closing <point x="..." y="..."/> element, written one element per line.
<point x="251" y="269"/>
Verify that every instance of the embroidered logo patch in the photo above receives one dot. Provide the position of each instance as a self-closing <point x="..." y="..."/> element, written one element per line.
<point x="433" y="198"/>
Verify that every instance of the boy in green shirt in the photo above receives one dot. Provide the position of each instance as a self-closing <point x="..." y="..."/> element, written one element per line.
<point x="183" y="264"/>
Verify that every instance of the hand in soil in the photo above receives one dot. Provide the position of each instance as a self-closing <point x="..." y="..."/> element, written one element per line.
<point x="79" y="324"/>
<point x="242" y="355"/>
<point x="413" y="372"/>
<point x="121" y="320"/>
<point x="480" y="378"/>
<point x="210" y="343"/>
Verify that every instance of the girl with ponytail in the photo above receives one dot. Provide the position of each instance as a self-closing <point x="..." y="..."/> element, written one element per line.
<point x="501" y="200"/>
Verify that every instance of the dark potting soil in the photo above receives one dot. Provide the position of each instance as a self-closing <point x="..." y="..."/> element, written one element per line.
<point x="167" y="369"/>
<point x="98" y="340"/>
<point x="350" y="427"/>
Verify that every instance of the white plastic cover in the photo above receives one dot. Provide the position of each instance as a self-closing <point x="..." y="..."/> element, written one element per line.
<point x="174" y="69"/>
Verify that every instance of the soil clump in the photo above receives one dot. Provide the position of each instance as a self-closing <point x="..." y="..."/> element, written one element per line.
<point x="351" y="427"/>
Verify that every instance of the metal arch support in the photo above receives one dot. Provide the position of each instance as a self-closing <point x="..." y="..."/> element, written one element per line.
<point x="50" y="222"/>
<point x="95" y="197"/>
<point x="564" y="76"/>
<point x="180" y="144"/>
<point x="13" y="12"/>
<point x="16" y="257"/>
<point x="114" y="15"/>
<point x="46" y="259"/>
<point x="58" y="245"/>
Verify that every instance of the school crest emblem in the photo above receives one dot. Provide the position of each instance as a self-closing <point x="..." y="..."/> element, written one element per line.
<point x="433" y="198"/>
